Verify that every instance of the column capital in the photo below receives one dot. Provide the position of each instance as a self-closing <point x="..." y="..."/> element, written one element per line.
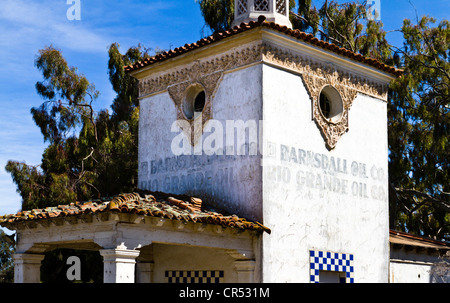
<point x="119" y="265"/>
<point x="20" y="258"/>
<point x="125" y="255"/>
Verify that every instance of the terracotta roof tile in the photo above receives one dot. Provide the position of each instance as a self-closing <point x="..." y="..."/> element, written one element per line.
<point x="154" y="204"/>
<point x="309" y="38"/>
<point x="402" y="238"/>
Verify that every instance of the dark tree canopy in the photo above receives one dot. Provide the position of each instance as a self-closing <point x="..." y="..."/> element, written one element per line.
<point x="419" y="115"/>
<point x="90" y="154"/>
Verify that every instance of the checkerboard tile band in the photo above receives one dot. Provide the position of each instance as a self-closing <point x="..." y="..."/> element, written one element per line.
<point x="328" y="261"/>
<point x="196" y="276"/>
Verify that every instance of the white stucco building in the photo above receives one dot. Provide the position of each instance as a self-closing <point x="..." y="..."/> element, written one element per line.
<point x="261" y="121"/>
<point x="415" y="259"/>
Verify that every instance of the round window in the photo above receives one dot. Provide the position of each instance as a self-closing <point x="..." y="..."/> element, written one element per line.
<point x="194" y="101"/>
<point x="330" y="103"/>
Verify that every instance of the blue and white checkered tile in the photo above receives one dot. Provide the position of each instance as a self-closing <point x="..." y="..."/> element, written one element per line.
<point x="328" y="261"/>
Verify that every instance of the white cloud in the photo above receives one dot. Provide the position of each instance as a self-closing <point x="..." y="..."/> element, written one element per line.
<point x="32" y="23"/>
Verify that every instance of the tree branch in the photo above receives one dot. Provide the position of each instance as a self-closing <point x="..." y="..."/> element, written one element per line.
<point x="320" y="31"/>
<point x="427" y="198"/>
<point x="352" y="47"/>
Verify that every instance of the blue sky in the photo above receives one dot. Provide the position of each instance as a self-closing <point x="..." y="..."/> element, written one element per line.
<point x="27" y="26"/>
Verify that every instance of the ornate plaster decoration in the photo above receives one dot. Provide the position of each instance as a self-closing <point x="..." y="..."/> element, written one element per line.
<point x="331" y="131"/>
<point x="201" y="69"/>
<point x="315" y="74"/>
<point x="307" y="65"/>
<point x="206" y="73"/>
<point x="178" y="93"/>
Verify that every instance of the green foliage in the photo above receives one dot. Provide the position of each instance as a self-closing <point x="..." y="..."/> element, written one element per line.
<point x="123" y="84"/>
<point x="68" y="96"/>
<point x="6" y="262"/>
<point x="307" y="18"/>
<point x="218" y="14"/>
<point x="345" y="25"/>
<point x="90" y="154"/>
<point x="419" y="131"/>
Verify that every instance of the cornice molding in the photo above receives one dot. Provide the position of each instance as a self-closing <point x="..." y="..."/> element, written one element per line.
<point x="315" y="74"/>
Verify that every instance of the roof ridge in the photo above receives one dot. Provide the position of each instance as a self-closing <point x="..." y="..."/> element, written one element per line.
<point x="296" y="33"/>
<point x="417" y="237"/>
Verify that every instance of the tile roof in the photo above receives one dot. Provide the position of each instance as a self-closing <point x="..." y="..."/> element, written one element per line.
<point x="308" y="38"/>
<point x="154" y="204"/>
<point x="402" y="238"/>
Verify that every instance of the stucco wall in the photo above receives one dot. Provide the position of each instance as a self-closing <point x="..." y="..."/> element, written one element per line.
<point x="228" y="181"/>
<point x="401" y="272"/>
<point x="305" y="214"/>
<point x="189" y="259"/>
<point x="336" y="203"/>
<point x="412" y="266"/>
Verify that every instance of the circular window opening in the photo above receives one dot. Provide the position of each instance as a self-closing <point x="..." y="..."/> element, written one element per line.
<point x="330" y="103"/>
<point x="194" y="101"/>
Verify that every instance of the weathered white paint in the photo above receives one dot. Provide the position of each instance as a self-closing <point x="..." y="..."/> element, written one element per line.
<point x="303" y="218"/>
<point x="352" y="219"/>
<point x="350" y="216"/>
<point x="119" y="265"/>
<point x="189" y="258"/>
<point x="409" y="272"/>
<point x="230" y="182"/>
<point x="27" y="268"/>
<point x="416" y="265"/>
<point x="111" y="234"/>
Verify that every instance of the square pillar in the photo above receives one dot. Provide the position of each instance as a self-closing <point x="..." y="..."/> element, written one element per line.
<point x="119" y="265"/>
<point x="27" y="268"/>
<point x="245" y="270"/>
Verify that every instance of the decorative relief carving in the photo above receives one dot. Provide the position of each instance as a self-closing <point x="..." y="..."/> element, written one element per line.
<point x="315" y="76"/>
<point x="331" y="131"/>
<point x="198" y="69"/>
<point x="307" y="65"/>
<point x="207" y="73"/>
<point x="178" y="92"/>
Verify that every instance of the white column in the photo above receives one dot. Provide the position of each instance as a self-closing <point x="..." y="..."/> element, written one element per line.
<point x="245" y="270"/>
<point x="27" y="268"/>
<point x="119" y="265"/>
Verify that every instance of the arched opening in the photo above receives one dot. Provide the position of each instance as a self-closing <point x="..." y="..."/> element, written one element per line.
<point x="194" y="101"/>
<point x="57" y="266"/>
<point x="330" y="103"/>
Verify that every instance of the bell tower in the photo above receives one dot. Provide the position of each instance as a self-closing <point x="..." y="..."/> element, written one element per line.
<point x="274" y="10"/>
